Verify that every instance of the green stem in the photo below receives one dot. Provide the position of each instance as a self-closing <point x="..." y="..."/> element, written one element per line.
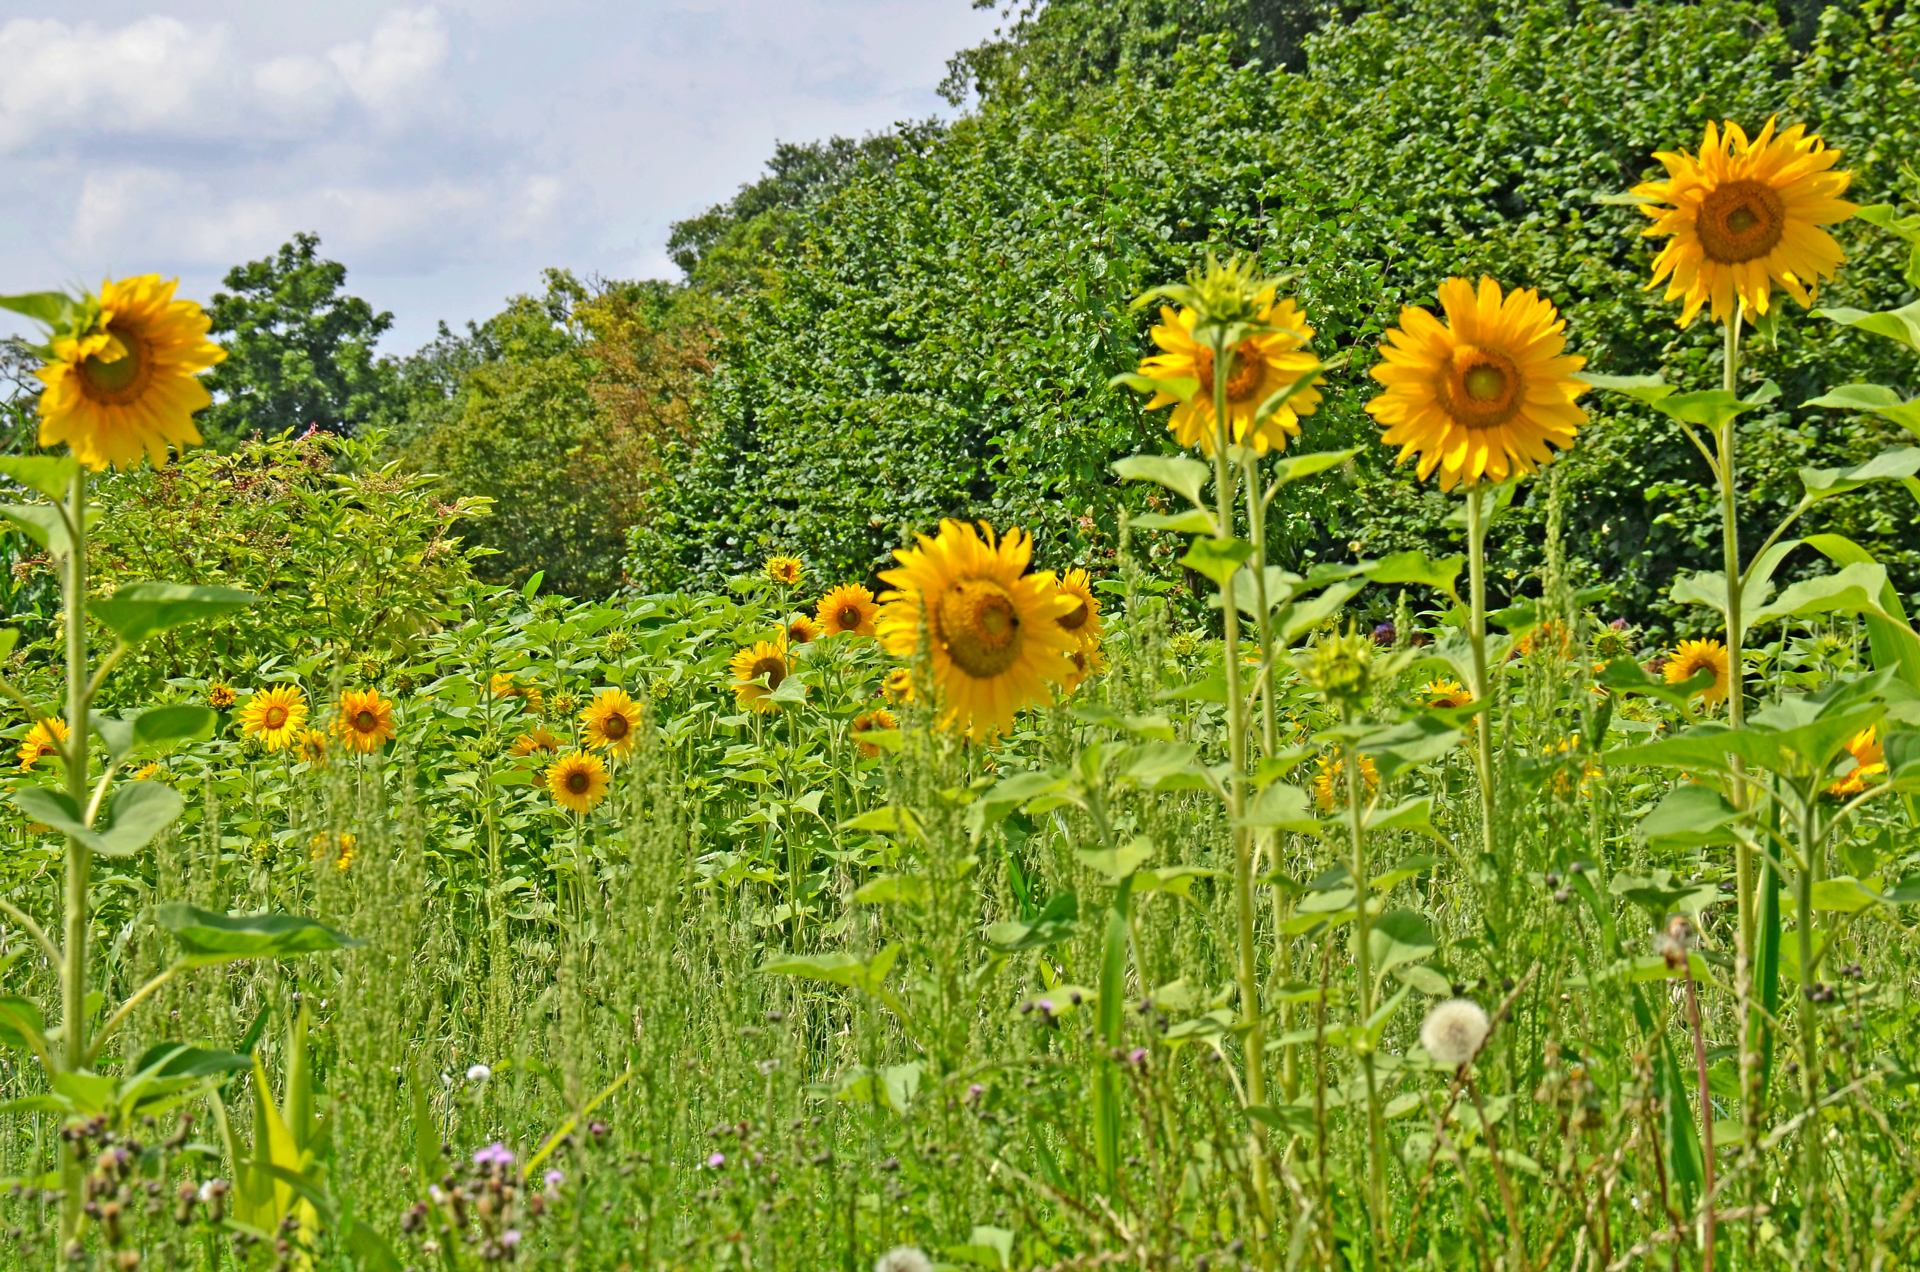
<point x="1736" y="658"/>
<point x="73" y="983"/>
<point x="1809" y="1022"/>
<point x="1270" y="744"/>
<point x="1363" y="970"/>
<point x="1249" y="972"/>
<point x="1482" y="682"/>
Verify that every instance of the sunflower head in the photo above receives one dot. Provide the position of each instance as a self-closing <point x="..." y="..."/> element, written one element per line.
<point x="339" y="849"/>
<point x="125" y="386"/>
<point x="1330" y="780"/>
<point x="1341" y="668"/>
<point x="577" y="781"/>
<point x="785" y="570"/>
<point x="46" y="737"/>
<point x="534" y="742"/>
<point x="758" y="670"/>
<point x="1566" y="751"/>
<point x="897" y="688"/>
<point x="611" y="721"/>
<point x="1269" y="358"/>
<point x="1082" y="621"/>
<point x="990" y="631"/>
<point x="220" y="695"/>
<point x="1690" y="658"/>
<point x="312" y="747"/>
<point x="1868" y="764"/>
<point x="1444" y="693"/>
<point x="871" y="722"/>
<point x="275" y="717"/>
<point x="364" y="720"/>
<point x="801" y="630"/>
<point x="1744" y="216"/>
<point x="1483" y="396"/>
<point x="1088" y="660"/>
<point x="848" y="608"/>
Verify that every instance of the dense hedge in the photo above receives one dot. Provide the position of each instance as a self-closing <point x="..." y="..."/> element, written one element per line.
<point x="936" y="335"/>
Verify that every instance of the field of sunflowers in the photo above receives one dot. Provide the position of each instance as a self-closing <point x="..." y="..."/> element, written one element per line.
<point x="987" y="912"/>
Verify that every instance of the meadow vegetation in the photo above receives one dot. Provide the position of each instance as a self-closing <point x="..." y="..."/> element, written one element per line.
<point x="1287" y="645"/>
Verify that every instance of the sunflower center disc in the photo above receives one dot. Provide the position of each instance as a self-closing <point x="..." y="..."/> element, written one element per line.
<point x="1483" y="389"/>
<point x="615" y="726"/>
<point x="1076" y="618"/>
<point x="849" y="618"/>
<point x="980" y="628"/>
<point x="120" y="373"/>
<point x="1243" y="375"/>
<point x="772" y="668"/>
<point x="274" y="718"/>
<point x="365" y="722"/>
<point x="577" y="782"/>
<point x="1741" y="221"/>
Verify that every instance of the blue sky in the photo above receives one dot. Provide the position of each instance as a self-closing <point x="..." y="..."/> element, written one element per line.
<point x="444" y="152"/>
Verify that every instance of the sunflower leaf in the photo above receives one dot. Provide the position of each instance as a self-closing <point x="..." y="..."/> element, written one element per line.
<point x="207" y="938"/>
<point x="48" y="474"/>
<point x="139" y="610"/>
<point x="1892" y="465"/>
<point x="1178" y="473"/>
<point x="1901" y="324"/>
<point x="1217" y="559"/>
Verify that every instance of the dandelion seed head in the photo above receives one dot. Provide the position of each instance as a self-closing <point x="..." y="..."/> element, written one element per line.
<point x="1454" y="1031"/>
<point x="904" y="1259"/>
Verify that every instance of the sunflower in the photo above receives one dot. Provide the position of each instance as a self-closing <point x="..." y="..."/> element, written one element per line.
<point x="785" y="570"/>
<point x="1564" y="750"/>
<point x="220" y="695"/>
<point x="1082" y="622"/>
<point x="534" y="742"/>
<point x="612" y="721"/>
<point x="276" y="716"/>
<point x="1261" y="365"/>
<point x="339" y="847"/>
<point x="578" y="781"/>
<point x="898" y="686"/>
<point x="991" y="631"/>
<point x="801" y="629"/>
<point x="1869" y="764"/>
<point x="1482" y="395"/>
<point x="1550" y="634"/>
<point x="1330" y="780"/>
<point x="847" y="608"/>
<point x="1743" y="216"/>
<point x="147" y="772"/>
<point x="126" y="386"/>
<point x="46" y="737"/>
<point x="313" y="747"/>
<point x="506" y="686"/>
<point x="872" y="722"/>
<point x="757" y="672"/>
<point x="1088" y="661"/>
<point x="1690" y="658"/>
<point x="365" y="720"/>
<point x="1444" y="693"/>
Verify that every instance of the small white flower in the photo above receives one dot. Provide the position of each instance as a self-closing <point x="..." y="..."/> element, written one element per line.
<point x="1454" y="1031"/>
<point x="479" y="1073"/>
<point x="904" y="1259"/>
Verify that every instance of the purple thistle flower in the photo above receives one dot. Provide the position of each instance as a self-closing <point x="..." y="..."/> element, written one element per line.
<point x="494" y="1154"/>
<point x="1384" y="634"/>
<point x="716" y="1161"/>
<point x="554" y="1179"/>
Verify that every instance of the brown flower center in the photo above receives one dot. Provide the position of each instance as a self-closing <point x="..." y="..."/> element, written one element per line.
<point x="849" y="617"/>
<point x="120" y="373"/>
<point x="366" y="721"/>
<point x="1740" y="221"/>
<point x="616" y="726"/>
<point x="1076" y="618"/>
<point x="273" y="717"/>
<point x="579" y="782"/>
<point x="774" y="669"/>
<point x="1243" y="372"/>
<point x="1482" y="388"/>
<point x="978" y="625"/>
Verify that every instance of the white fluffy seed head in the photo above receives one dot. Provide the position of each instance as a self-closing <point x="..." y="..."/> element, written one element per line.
<point x="1453" y="1031"/>
<point x="904" y="1259"/>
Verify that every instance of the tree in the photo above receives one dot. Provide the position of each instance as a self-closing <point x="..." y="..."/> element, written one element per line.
<point x="300" y="352"/>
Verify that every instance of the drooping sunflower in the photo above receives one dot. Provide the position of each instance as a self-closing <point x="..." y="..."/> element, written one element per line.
<point x="127" y="386"/>
<point x="578" y="781"/>
<point x="505" y="685"/>
<point x="44" y="738"/>
<point x="534" y="742"/>
<point x="276" y="716"/>
<point x="785" y="570"/>
<point x="1261" y="365"/>
<point x="758" y="670"/>
<point x="612" y="722"/>
<point x="897" y="688"/>
<point x="801" y="630"/>
<point x="1082" y="622"/>
<point x="1330" y="780"/>
<point x="364" y="720"/>
<point x="847" y="608"/>
<point x="1744" y="216"/>
<point x="871" y="722"/>
<point x="1693" y="656"/>
<point x="1869" y="764"/>
<point x="1484" y="395"/>
<point x="990" y="631"/>
<point x="220" y="695"/>
<point x="313" y="747"/>
<point x="1445" y="693"/>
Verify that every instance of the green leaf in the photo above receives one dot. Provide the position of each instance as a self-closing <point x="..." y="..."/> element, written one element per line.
<point x="21" y="1024"/>
<point x="1689" y="817"/>
<point x="1055" y="923"/>
<point x="1192" y="521"/>
<point x="1901" y="324"/>
<point x="1893" y="465"/>
<point x="40" y="522"/>
<point x="1642" y="388"/>
<point x="1164" y="766"/>
<point x="1117" y="863"/>
<point x="1873" y="399"/>
<point x="49" y="309"/>
<point x="1708" y="408"/>
<point x="1414" y="815"/>
<point x="1855" y="589"/>
<point x="838" y="967"/>
<point x="206" y="938"/>
<point x="1842" y="895"/>
<point x="1178" y="473"/>
<point x="138" y="812"/>
<point x="154" y="729"/>
<point x="1399" y="936"/>
<point x="1217" y="559"/>
<point x="1282" y="807"/>
<point x="1292" y="468"/>
<point x="51" y="475"/>
<point x="1418" y="567"/>
<point x="1408" y="744"/>
<point x="138" y="610"/>
<point x="55" y="808"/>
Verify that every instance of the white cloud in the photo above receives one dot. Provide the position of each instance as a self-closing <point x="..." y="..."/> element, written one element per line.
<point x="396" y="63"/>
<point x="71" y="81"/>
